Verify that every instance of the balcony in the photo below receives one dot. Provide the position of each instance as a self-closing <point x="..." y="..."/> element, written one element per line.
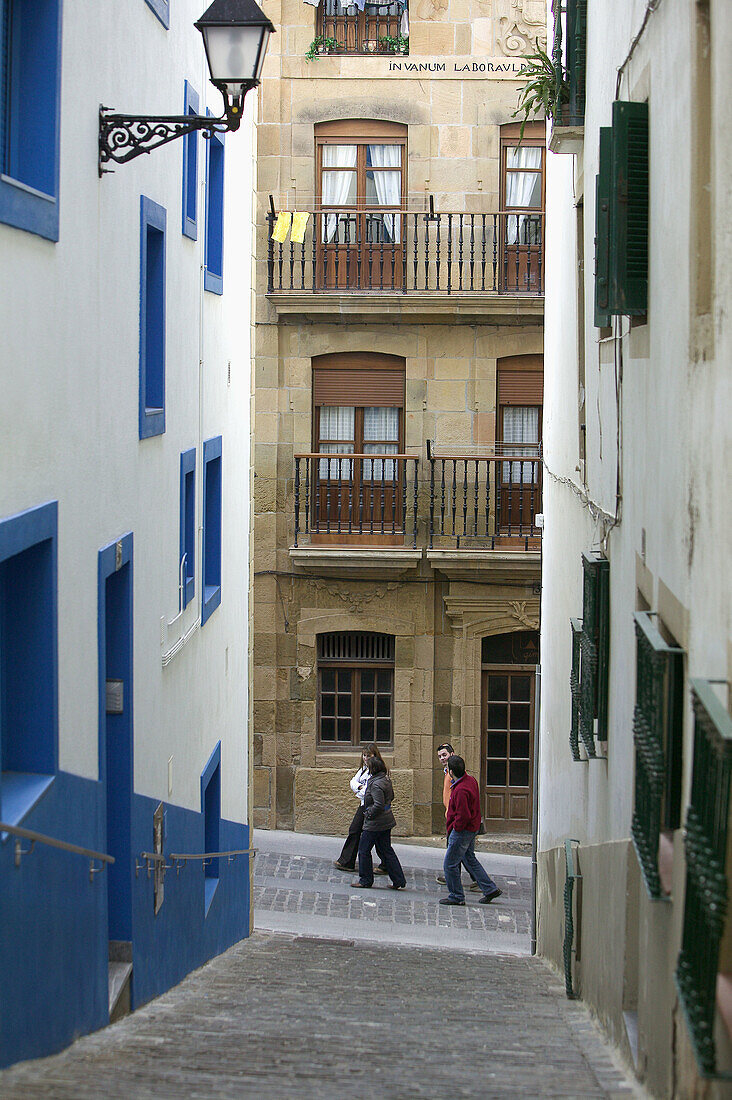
<point x="569" y="57"/>
<point x="375" y="512"/>
<point x="378" y="28"/>
<point x="369" y="259"/>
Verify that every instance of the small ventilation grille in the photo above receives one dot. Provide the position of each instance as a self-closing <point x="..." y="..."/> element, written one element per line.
<point x="350" y="645"/>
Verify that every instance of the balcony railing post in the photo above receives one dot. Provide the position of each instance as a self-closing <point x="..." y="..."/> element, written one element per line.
<point x="416" y="499"/>
<point x="297" y="498"/>
<point x="432" y="501"/>
<point x="270" y="252"/>
<point x="307" y="496"/>
<point x="316" y="230"/>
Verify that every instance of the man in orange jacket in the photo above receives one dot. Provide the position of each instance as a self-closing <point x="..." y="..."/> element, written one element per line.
<point x="463" y="823"/>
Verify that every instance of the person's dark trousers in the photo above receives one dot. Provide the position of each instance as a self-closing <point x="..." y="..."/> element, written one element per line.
<point x="387" y="855"/>
<point x="350" y="848"/>
<point x="461" y="850"/>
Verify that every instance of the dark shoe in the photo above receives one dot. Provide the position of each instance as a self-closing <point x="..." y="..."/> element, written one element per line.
<point x="342" y="866"/>
<point x="360" y="885"/>
<point x="488" y="898"/>
<point x="441" y="880"/>
<point x="380" y="871"/>
<point x="392" y="886"/>
<point x="449" y="901"/>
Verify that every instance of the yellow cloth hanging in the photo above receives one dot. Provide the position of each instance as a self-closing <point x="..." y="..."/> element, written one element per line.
<point x="299" y="225"/>
<point x="282" y="227"/>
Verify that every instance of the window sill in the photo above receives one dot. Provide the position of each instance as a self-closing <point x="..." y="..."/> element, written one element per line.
<point x="214" y="284"/>
<point x="210" y="886"/>
<point x="211" y="600"/>
<point x="27" y="209"/>
<point x="152" y="422"/>
<point x="19" y="793"/>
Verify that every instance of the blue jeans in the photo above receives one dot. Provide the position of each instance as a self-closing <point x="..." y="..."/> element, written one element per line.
<point x="461" y="850"/>
<point x="389" y="858"/>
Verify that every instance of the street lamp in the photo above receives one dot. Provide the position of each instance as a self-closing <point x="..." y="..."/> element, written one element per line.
<point x="235" y="36"/>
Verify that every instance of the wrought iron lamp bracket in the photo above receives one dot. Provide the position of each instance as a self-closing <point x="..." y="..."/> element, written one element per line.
<point x="124" y="137"/>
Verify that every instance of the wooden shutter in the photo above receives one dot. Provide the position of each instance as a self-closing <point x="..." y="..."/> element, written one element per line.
<point x="602" y="231"/>
<point x="628" y="292"/>
<point x="576" y="58"/>
<point x="359" y="380"/>
<point x="520" y="387"/>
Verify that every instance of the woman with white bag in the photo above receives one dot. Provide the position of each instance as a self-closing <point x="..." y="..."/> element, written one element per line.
<point x="347" y="859"/>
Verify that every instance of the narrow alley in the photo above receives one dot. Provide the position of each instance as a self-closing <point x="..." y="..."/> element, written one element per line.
<point x="358" y="1010"/>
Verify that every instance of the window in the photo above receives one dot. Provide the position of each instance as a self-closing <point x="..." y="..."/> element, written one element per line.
<point x="522" y="203"/>
<point x="30" y="101"/>
<point x="621" y="227"/>
<point x="214" y="273"/>
<point x="591" y="658"/>
<point x="705" y="898"/>
<point x="152" y="318"/>
<point x="657" y="732"/>
<point x="520" y="401"/>
<point x="361" y="182"/>
<point x="358" y="409"/>
<point x="190" y="168"/>
<point x="211" y="527"/>
<point x="28" y="659"/>
<point x="355" y="689"/>
<point x="161" y="8"/>
<point x="378" y="28"/>
<point x="211" y="811"/>
<point x="187" y="555"/>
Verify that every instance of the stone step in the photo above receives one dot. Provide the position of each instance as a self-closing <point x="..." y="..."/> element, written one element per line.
<point x="120" y="975"/>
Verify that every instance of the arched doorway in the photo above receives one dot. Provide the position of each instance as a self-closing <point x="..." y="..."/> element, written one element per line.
<point x="508" y="690"/>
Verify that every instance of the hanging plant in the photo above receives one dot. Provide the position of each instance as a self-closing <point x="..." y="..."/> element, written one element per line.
<point x="394" y="43"/>
<point x="546" y="89"/>
<point x="320" y="44"/>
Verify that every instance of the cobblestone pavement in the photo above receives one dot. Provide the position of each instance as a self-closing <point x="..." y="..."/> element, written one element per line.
<point x="298" y="892"/>
<point x="277" y="1016"/>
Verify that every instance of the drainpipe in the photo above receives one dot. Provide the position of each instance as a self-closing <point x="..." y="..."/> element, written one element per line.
<point x="535" y="809"/>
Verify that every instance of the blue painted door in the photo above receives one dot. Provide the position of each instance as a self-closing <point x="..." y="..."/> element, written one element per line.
<point x="118" y="748"/>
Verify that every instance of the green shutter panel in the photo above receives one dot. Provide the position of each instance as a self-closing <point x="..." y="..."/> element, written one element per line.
<point x="576" y="59"/>
<point x="602" y="231"/>
<point x="574" y="687"/>
<point x="629" y="209"/>
<point x="595" y="645"/>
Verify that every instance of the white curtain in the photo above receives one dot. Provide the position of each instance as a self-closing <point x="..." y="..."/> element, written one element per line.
<point x="380" y="423"/>
<point x="336" y="422"/>
<point x="339" y="188"/>
<point x="520" y="437"/>
<point x="388" y="184"/>
<point x="523" y="189"/>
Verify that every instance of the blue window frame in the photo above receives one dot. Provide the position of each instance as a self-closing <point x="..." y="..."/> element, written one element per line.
<point x="30" y="114"/>
<point x="28" y="659"/>
<point x="214" y="262"/>
<point x="152" y="318"/>
<point x="190" y="168"/>
<point x="211" y="565"/>
<point x="211" y="811"/>
<point x="187" y="567"/>
<point x="161" y="8"/>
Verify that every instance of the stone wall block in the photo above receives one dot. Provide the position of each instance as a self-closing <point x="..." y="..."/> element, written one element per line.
<point x="262" y="782"/>
<point x="324" y="803"/>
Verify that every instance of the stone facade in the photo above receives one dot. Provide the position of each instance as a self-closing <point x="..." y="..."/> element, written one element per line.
<point x="437" y="611"/>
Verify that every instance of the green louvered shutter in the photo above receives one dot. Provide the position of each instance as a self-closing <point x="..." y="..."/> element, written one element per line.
<point x="576" y="59"/>
<point x="602" y="231"/>
<point x="575" y="686"/>
<point x="628" y="291"/>
<point x="595" y="645"/>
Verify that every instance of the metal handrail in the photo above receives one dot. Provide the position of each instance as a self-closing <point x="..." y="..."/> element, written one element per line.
<point x="52" y="842"/>
<point x="346" y="456"/>
<point x="181" y="858"/>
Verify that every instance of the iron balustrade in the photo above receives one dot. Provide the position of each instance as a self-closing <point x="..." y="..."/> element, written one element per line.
<point x="404" y="252"/>
<point x="63" y="845"/>
<point x="485" y="500"/>
<point x="356" y="494"/>
<point x="707" y="888"/>
<point x="364" y="31"/>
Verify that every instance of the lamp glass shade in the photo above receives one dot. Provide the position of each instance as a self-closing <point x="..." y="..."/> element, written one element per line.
<point x="235" y="54"/>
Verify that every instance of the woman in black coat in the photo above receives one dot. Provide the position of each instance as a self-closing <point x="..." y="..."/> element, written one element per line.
<point x="378" y="821"/>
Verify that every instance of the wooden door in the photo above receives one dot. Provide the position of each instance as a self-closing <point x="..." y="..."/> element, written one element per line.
<point x="507" y="738"/>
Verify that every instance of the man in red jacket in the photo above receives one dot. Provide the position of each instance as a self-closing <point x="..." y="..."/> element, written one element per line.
<point x="463" y="823"/>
